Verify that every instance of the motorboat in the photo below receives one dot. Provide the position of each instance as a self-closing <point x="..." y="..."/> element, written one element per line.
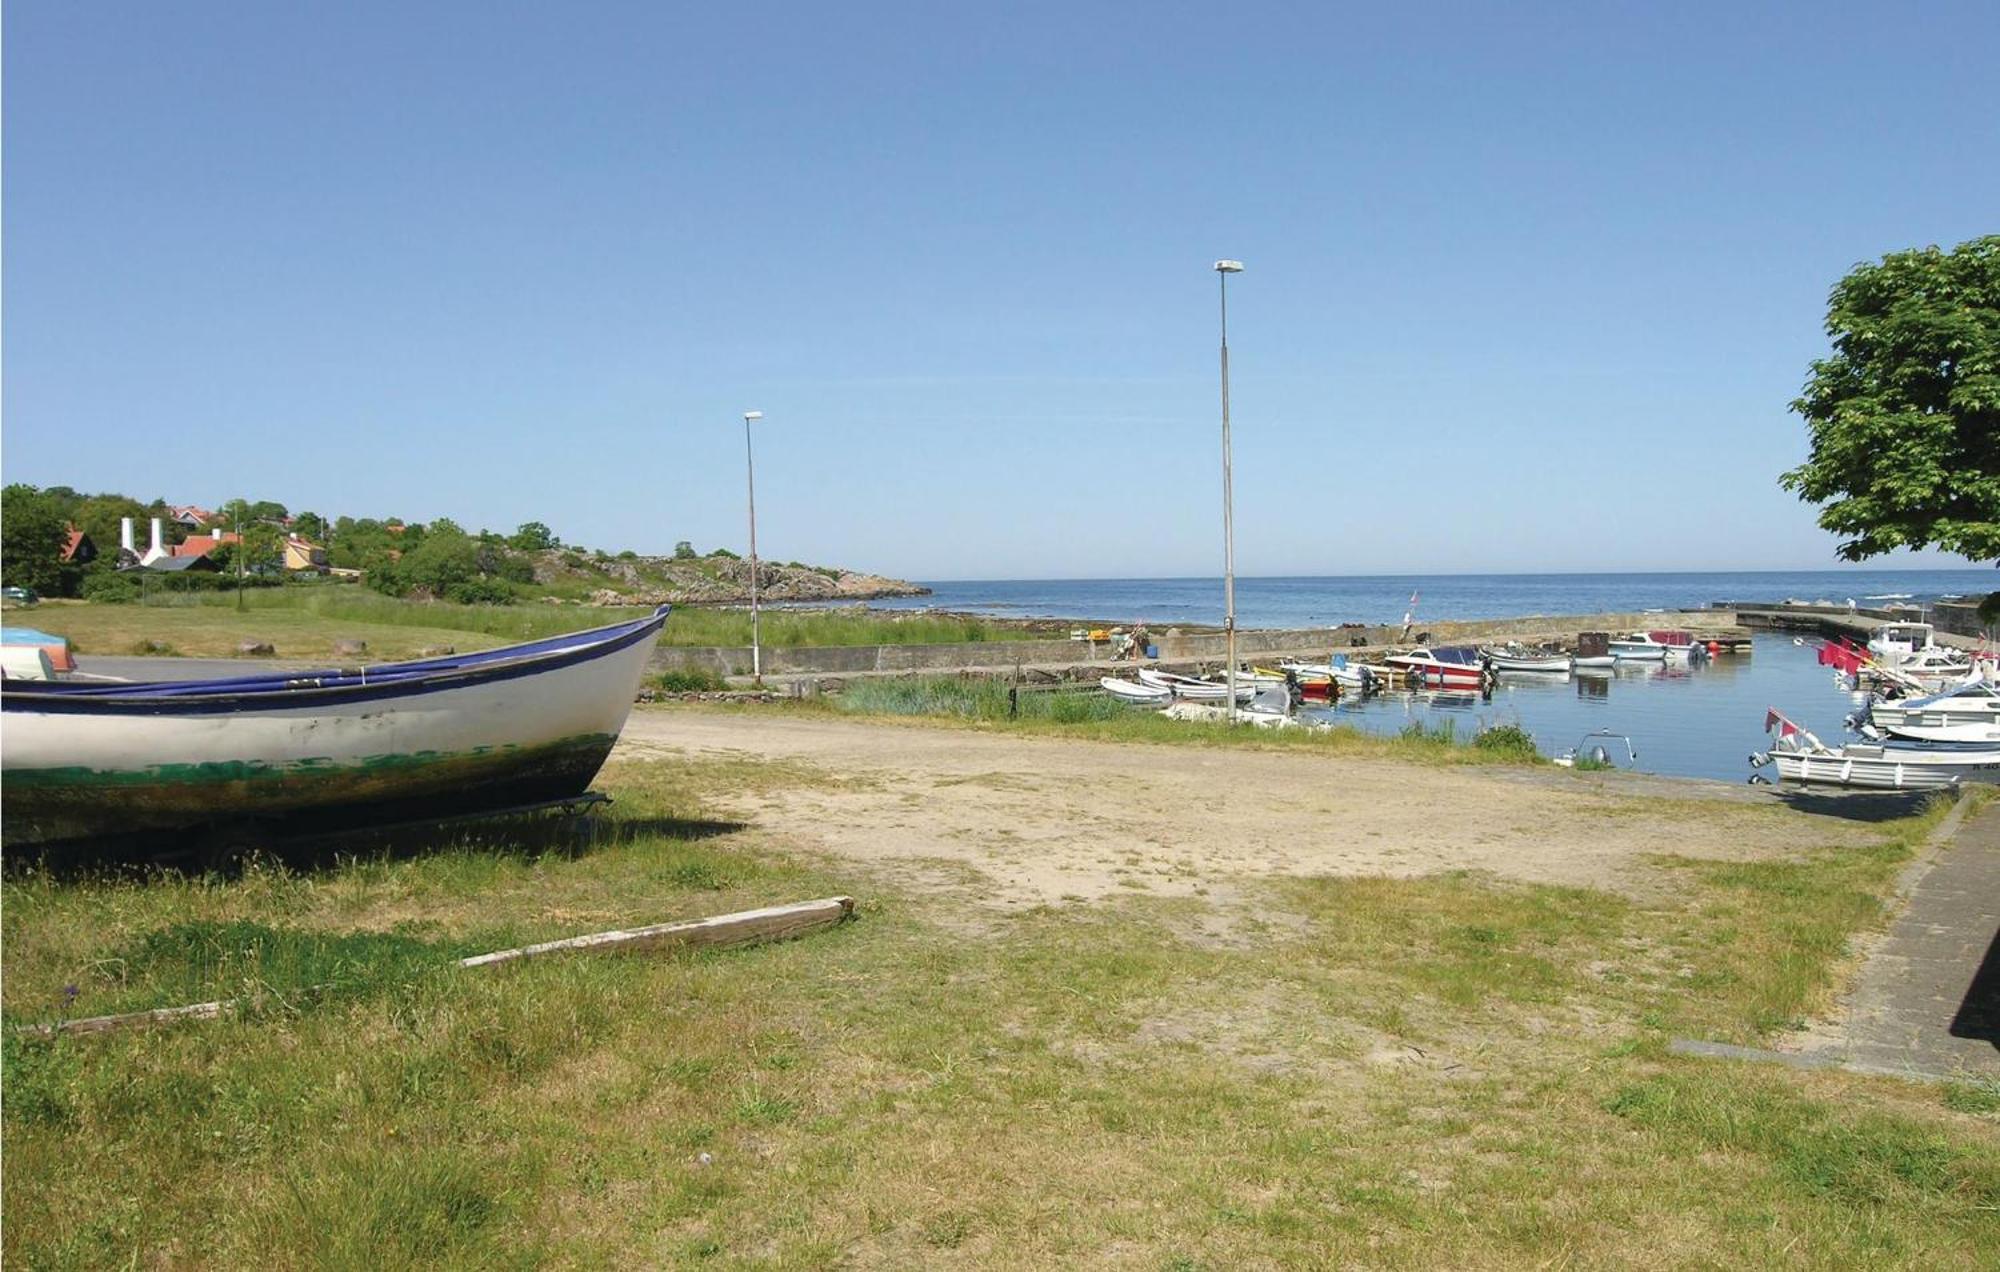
<point x="1681" y="646"/>
<point x="1189" y="689"/>
<point x="1350" y="676"/>
<point x="1314" y="686"/>
<point x="1969" y="712"/>
<point x="317" y="751"/>
<point x="1518" y="658"/>
<point x="1136" y="694"/>
<point x="1446" y="667"/>
<point x="1895" y="643"/>
<point x="1638" y="647"/>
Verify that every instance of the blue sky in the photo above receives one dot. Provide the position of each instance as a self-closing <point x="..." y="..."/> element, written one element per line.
<point x="1528" y="288"/>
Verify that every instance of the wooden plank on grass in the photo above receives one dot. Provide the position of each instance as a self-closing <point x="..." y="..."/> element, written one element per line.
<point x="745" y="927"/>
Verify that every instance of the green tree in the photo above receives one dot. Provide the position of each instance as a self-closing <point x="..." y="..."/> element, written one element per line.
<point x="1904" y="417"/>
<point x="32" y="535"/>
<point x="533" y="536"/>
<point x="261" y="545"/>
<point x="310" y="525"/>
<point x="684" y="551"/>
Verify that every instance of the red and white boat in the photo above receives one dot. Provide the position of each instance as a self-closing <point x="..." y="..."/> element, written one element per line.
<point x="1446" y="667"/>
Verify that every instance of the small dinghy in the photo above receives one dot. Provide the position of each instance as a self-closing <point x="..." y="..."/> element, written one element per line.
<point x="1137" y="695"/>
<point x="1189" y="689"/>
<point x="1355" y="677"/>
<point x="1517" y="658"/>
<point x="319" y="751"/>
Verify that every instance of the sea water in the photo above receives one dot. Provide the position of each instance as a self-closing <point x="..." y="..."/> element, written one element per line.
<point x="1328" y="602"/>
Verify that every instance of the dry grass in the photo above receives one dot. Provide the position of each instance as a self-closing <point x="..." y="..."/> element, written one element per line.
<point x="1448" y="1070"/>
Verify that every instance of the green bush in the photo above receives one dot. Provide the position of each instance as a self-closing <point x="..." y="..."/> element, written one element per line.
<point x="111" y="589"/>
<point x="1510" y="740"/>
<point x="479" y="592"/>
<point x="688" y="680"/>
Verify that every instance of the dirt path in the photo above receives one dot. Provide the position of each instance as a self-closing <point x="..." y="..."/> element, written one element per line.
<point x="1046" y="819"/>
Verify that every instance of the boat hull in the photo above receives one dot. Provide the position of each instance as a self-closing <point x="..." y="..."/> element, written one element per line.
<point x="1835" y="769"/>
<point x="495" y="734"/>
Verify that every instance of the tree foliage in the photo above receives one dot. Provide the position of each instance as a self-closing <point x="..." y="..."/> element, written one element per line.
<point x="533" y="536"/>
<point x="32" y="535"/>
<point x="1904" y="417"/>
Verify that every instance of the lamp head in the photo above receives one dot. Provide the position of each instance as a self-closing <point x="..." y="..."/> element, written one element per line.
<point x="752" y="415"/>
<point x="1229" y="267"/>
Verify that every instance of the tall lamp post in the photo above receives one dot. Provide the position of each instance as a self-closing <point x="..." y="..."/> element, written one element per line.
<point x="750" y="463"/>
<point x="1223" y="269"/>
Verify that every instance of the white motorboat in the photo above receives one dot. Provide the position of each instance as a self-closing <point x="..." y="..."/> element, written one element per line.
<point x="1189" y="689"/>
<point x="1638" y="647"/>
<point x="1359" y="677"/>
<point x="1517" y="658"/>
<point x="1970" y="712"/>
<point x="1137" y="695"/>
<point x="1681" y="646"/>
<point x="1895" y="643"/>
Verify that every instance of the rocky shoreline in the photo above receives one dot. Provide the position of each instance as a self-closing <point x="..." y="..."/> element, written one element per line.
<point x="718" y="580"/>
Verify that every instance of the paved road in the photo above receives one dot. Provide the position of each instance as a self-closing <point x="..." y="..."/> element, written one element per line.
<point x="1928" y="1000"/>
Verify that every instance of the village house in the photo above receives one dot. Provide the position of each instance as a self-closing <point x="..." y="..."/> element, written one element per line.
<point x="78" y="547"/>
<point x="303" y="554"/>
<point x="193" y="518"/>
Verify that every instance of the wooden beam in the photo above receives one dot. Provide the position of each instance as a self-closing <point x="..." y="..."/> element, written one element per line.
<point x="746" y="927"/>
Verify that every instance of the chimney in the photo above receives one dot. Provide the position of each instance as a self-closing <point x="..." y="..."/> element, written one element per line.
<point x="125" y="542"/>
<point x="159" y="548"/>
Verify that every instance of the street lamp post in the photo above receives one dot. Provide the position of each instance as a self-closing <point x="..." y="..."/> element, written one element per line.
<point x="750" y="464"/>
<point x="1223" y="269"/>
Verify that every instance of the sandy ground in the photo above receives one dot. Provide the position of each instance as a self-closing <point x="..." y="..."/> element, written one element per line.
<point x="1032" y="820"/>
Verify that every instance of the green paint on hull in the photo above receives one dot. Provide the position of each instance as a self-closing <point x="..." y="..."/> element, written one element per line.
<point x="69" y="803"/>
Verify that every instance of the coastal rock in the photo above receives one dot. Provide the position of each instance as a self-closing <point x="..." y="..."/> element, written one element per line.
<point x="437" y="651"/>
<point x="256" y="649"/>
<point x="710" y="580"/>
<point x="348" y="645"/>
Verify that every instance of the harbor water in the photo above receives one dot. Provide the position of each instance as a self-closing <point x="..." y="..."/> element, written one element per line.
<point x="1699" y="720"/>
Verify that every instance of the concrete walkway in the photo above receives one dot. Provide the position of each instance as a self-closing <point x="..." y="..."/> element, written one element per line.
<point x="1928" y="1000"/>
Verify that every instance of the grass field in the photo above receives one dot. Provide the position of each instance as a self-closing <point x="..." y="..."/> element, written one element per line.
<point x="305" y="622"/>
<point x="1447" y="1070"/>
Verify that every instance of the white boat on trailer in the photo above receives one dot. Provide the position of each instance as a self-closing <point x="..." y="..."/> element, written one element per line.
<point x="1898" y="765"/>
<point x="1802" y="758"/>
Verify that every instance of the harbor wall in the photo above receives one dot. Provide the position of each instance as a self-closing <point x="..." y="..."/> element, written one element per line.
<point x="1174" y="647"/>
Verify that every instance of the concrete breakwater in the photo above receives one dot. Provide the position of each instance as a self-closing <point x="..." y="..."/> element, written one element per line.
<point x="1174" y="647"/>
